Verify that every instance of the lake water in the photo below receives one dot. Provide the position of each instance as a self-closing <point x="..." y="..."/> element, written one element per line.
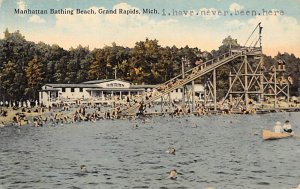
<point x="214" y="151"/>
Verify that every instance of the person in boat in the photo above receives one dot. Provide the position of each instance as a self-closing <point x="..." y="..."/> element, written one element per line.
<point x="287" y="127"/>
<point x="278" y="128"/>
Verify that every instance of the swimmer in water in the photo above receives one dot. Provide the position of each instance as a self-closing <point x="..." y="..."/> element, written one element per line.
<point x="173" y="175"/>
<point x="83" y="168"/>
<point x="171" y="151"/>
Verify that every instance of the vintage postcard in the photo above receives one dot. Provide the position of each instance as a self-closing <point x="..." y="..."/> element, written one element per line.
<point x="150" y="94"/>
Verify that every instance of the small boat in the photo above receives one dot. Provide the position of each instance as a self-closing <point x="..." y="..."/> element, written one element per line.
<point x="269" y="135"/>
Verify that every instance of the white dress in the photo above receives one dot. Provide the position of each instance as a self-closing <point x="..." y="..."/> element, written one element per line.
<point x="278" y="129"/>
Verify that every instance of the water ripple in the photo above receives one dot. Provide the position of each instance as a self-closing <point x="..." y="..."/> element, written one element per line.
<point x="222" y="152"/>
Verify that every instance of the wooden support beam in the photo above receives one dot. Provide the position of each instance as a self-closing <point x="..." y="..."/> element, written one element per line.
<point x="205" y="96"/>
<point x="183" y="96"/>
<point x="183" y="77"/>
<point x="170" y="101"/>
<point x="275" y="90"/>
<point x="230" y="86"/>
<point x="215" y="89"/>
<point x="246" y="82"/>
<point x="161" y="104"/>
<point x="288" y="94"/>
<point x="193" y="95"/>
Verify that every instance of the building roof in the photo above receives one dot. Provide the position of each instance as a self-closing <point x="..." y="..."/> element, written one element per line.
<point x="143" y="86"/>
<point x="115" y="89"/>
<point x="97" y="81"/>
<point x="80" y="85"/>
<point x="103" y="81"/>
<point x="50" y="89"/>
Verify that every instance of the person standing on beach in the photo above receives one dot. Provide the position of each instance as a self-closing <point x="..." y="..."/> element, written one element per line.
<point x="141" y="108"/>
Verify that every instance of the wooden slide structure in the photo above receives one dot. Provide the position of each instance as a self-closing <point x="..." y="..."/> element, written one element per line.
<point x="179" y="81"/>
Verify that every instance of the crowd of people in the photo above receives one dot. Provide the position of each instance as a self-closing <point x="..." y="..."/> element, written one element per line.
<point x="63" y="113"/>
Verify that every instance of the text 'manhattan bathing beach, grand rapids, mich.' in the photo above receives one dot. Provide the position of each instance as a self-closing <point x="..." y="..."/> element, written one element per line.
<point x="67" y="11"/>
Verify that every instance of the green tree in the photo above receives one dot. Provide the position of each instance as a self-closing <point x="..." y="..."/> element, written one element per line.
<point x="227" y="43"/>
<point x="8" y="86"/>
<point x="97" y="68"/>
<point x="34" y="75"/>
<point x="144" y="56"/>
<point x="169" y="64"/>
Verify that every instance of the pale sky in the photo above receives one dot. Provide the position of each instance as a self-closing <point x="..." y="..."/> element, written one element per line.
<point x="281" y="33"/>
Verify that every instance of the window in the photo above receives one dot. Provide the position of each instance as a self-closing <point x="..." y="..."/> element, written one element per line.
<point x="63" y="89"/>
<point x="80" y="89"/>
<point x="72" y="90"/>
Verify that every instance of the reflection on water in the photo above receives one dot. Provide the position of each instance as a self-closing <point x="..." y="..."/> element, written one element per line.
<point x="216" y="151"/>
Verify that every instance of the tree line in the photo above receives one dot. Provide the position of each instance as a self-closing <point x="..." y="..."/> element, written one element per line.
<point x="25" y="66"/>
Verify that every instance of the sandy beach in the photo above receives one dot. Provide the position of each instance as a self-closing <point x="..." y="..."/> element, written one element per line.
<point x="12" y="113"/>
<point x="63" y="112"/>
